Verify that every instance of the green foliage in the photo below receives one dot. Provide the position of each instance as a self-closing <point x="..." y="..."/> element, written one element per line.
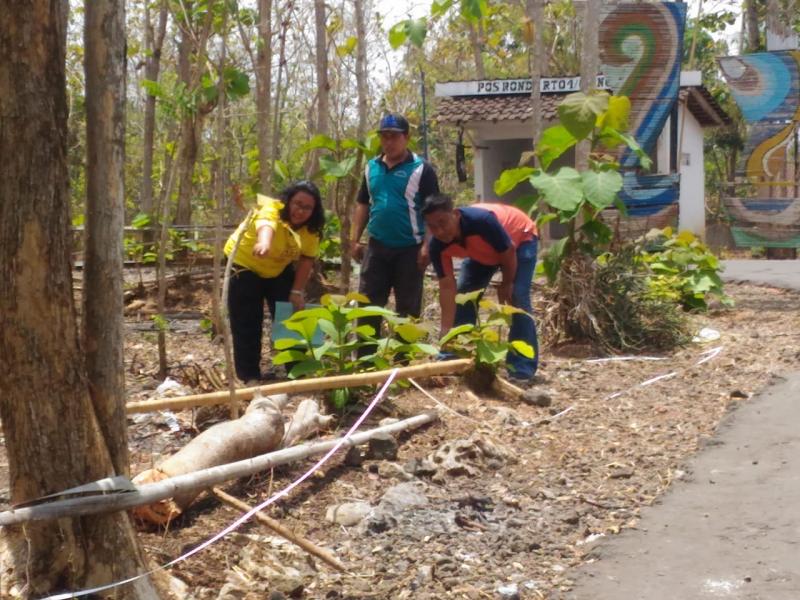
<point x="484" y="341"/>
<point x="343" y="336"/>
<point x="683" y="268"/>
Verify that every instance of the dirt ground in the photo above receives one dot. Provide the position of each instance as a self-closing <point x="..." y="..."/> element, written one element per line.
<point x="498" y="499"/>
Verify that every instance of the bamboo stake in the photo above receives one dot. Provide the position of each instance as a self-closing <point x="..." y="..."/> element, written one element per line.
<point x="205" y="478"/>
<point x="301" y="385"/>
<point x="275" y="526"/>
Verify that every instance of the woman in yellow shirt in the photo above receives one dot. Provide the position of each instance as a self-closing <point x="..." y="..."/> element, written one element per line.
<point x="272" y="262"/>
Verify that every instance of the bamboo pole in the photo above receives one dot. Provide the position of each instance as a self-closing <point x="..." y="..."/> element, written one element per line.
<point x="301" y="385"/>
<point x="205" y="478"/>
<point x="275" y="526"/>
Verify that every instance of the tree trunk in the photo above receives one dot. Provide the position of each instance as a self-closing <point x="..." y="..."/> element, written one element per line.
<point x="104" y="41"/>
<point x="264" y="92"/>
<point x="589" y="67"/>
<point x="535" y="16"/>
<point x="276" y="114"/>
<point x="477" y="56"/>
<point x="52" y="434"/>
<point x="154" y="42"/>
<point x="323" y="84"/>
<point x="752" y="22"/>
<point x="190" y="144"/>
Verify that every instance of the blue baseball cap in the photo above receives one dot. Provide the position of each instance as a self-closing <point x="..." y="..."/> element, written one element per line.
<point x="393" y="122"/>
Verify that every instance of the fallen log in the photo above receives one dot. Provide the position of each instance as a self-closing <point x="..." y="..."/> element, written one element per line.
<point x="256" y="432"/>
<point x="153" y="492"/>
<point x="282" y="531"/>
<point x="301" y="385"/>
<point x="305" y="422"/>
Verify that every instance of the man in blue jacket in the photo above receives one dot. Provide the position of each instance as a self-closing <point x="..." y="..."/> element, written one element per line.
<point x="390" y="201"/>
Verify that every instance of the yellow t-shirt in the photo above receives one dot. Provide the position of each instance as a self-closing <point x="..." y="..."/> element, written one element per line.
<point x="287" y="244"/>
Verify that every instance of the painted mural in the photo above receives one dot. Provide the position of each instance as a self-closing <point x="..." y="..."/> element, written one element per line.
<point x="764" y="204"/>
<point x="640" y="55"/>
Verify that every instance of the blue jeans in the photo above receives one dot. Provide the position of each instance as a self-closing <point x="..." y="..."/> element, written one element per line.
<point x="476" y="276"/>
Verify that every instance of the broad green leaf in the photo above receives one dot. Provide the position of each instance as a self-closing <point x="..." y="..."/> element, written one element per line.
<point x="601" y="188"/>
<point x="285" y="343"/>
<point x="340" y="398"/>
<point x="312" y="313"/>
<point x="140" y="220"/>
<point x="465" y="297"/>
<point x="472" y="10"/>
<point x="367" y="331"/>
<point x="330" y="330"/>
<point x="288" y="356"/>
<point x="526" y="203"/>
<point x="456" y="331"/>
<point x="510" y="178"/>
<point x="306" y="327"/>
<point x="237" y="83"/>
<point x="397" y="35"/>
<point x="490" y="352"/>
<point x="358" y="297"/>
<point x="523" y="348"/>
<point x="553" y="142"/>
<point x="427" y="349"/>
<point x="616" y="117"/>
<point x="417" y="29"/>
<point x="320" y="351"/>
<point x="579" y="112"/>
<point x="562" y="191"/>
<point x="305" y="368"/>
<point x="551" y="262"/>
<point x="598" y="232"/>
<point x="281" y="170"/>
<point x="490" y="335"/>
<point x="330" y="167"/>
<point x="439" y="8"/>
<point x="315" y="143"/>
<point x="351" y="144"/>
<point x="369" y="311"/>
<point x="410" y="332"/>
<point x="348" y="46"/>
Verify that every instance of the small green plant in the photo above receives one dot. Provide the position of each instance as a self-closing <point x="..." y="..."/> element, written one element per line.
<point x="343" y="337"/>
<point x="683" y="268"/>
<point x="484" y="341"/>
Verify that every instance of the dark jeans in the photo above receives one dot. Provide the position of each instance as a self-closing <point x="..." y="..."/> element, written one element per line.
<point x="385" y="269"/>
<point x="476" y="276"/>
<point x="247" y="292"/>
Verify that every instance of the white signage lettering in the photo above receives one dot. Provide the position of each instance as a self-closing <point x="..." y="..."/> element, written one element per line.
<point x="493" y="87"/>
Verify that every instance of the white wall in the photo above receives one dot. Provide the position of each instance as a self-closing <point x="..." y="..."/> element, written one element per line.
<point x="492" y="157"/>
<point x="692" y="204"/>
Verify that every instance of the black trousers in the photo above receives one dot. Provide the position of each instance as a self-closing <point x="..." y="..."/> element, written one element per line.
<point x="386" y="269"/>
<point x="247" y="292"/>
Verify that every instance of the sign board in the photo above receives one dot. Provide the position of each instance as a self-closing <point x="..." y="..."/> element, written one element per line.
<point x="494" y="87"/>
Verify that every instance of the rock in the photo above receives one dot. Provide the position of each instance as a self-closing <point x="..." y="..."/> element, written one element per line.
<point x="420" y="467"/>
<point x="508" y="591"/>
<point x="348" y="513"/>
<point x="382" y="446"/>
<point x="354" y="457"/>
<point x="542" y="398"/>
<point x="402" y="497"/>
<point x="389" y="470"/>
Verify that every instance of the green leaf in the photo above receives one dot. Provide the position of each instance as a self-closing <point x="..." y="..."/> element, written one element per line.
<point x="410" y="332"/>
<point x="347" y="48"/>
<point x="617" y="114"/>
<point x="456" y="331"/>
<point x="523" y="348"/>
<point x="306" y="327"/>
<point x="579" y="112"/>
<point x="551" y="262"/>
<point x="473" y="10"/>
<point x="473" y="296"/>
<point x="526" y="203"/>
<point x="417" y="29"/>
<point x="285" y="343"/>
<point x="288" y="356"/>
<point x="598" y="232"/>
<point x="237" y="83"/>
<point x="601" y="187"/>
<point x="397" y="35"/>
<point x="281" y="170"/>
<point x="427" y="349"/>
<point x="367" y="331"/>
<point x="330" y="330"/>
<point x="562" y="191"/>
<point x="340" y="398"/>
<point x="322" y="350"/>
<point x="369" y="311"/>
<point x="490" y="352"/>
<point x="315" y="143"/>
<point x="336" y="169"/>
<point x="439" y="8"/>
<point x="305" y="368"/>
<point x="312" y="313"/>
<point x="511" y="178"/>
<point x="553" y="142"/>
<point x="141" y="220"/>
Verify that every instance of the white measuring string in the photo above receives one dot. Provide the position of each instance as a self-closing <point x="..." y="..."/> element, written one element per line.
<point x="238" y="522"/>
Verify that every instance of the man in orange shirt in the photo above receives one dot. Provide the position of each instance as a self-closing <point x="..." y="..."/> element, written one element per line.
<point x="489" y="237"/>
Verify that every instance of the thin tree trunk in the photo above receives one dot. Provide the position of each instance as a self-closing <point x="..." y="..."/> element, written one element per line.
<point x="535" y="16"/>
<point x="154" y="43"/>
<point x="477" y="55"/>
<point x="589" y="67"/>
<point x="264" y="92"/>
<point x="52" y="434"/>
<point x="323" y="84"/>
<point x="276" y="118"/>
<point x="104" y="40"/>
<point x="188" y="136"/>
<point x="752" y="23"/>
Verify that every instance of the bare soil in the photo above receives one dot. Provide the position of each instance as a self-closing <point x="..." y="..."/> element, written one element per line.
<point x="534" y="487"/>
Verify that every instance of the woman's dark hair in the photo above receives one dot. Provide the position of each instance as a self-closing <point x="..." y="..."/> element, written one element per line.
<point x="316" y="221"/>
<point x="437" y="202"/>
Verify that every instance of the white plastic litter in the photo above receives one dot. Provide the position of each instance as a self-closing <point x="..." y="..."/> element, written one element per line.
<point x="171" y="420"/>
<point x="170" y="387"/>
<point x="705" y="335"/>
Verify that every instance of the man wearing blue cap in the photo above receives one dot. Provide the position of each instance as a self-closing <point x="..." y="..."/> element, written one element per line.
<point x="390" y="201"/>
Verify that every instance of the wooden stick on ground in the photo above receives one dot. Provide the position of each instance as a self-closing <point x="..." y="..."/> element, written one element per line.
<point x="168" y="488"/>
<point x="301" y="385"/>
<point x="305" y="544"/>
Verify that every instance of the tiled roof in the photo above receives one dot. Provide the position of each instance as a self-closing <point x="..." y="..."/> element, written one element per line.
<point x="494" y="108"/>
<point x="704" y="107"/>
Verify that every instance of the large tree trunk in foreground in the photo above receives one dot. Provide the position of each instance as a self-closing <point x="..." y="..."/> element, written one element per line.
<point x="52" y="435"/>
<point x="105" y="216"/>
